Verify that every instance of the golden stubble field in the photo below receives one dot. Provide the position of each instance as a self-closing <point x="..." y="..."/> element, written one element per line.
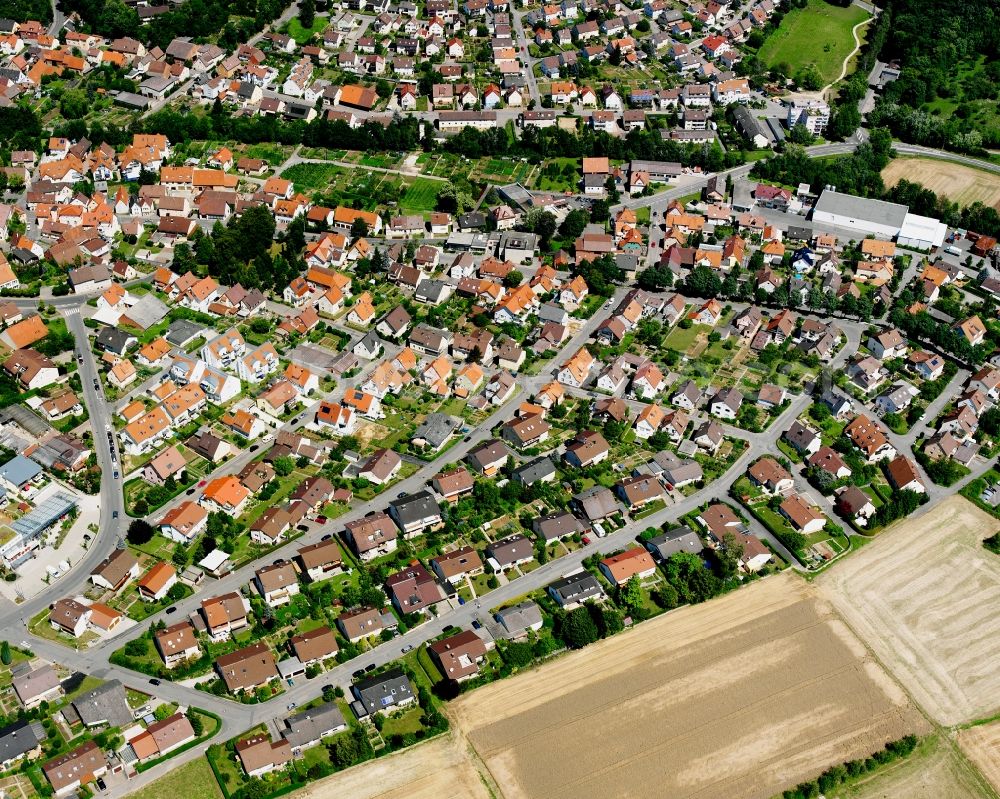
<point x="740" y="697"/>
<point x="982" y="746"/>
<point x="925" y="596"/>
<point x="934" y="771"/>
<point x="438" y="769"/>
<point x="963" y="184"/>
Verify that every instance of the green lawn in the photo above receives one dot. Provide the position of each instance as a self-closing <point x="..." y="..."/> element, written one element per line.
<point x="818" y="35"/>
<point x="193" y="780"/>
<point x="421" y="195"/>
<point x="681" y="340"/>
<point x="302" y="35"/>
<point x="650" y="509"/>
<point x="407" y="722"/>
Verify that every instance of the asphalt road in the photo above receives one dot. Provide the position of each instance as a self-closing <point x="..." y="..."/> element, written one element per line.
<point x="237" y="717"/>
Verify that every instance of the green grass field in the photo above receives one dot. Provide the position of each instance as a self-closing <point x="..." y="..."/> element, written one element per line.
<point x="421" y="195"/>
<point x="818" y="35"/>
<point x="193" y="780"/>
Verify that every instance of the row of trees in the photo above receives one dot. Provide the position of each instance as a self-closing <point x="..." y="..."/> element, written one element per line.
<point x="554" y="142"/>
<point x="231" y="22"/>
<point x="835" y="776"/>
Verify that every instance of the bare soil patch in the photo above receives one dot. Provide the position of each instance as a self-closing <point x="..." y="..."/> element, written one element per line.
<point x="963" y="184"/>
<point x="438" y="769"/>
<point x="982" y="746"/>
<point x="925" y="597"/>
<point x="740" y="697"/>
<point x="934" y="771"/>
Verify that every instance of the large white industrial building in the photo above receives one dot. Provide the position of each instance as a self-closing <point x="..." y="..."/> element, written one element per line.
<point x="878" y="218"/>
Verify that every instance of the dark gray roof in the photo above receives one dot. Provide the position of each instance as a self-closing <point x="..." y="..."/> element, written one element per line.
<point x="414" y="507"/>
<point x="680" y="539"/>
<point x="311" y="725"/>
<point x="104" y="705"/>
<point x="432" y="291"/>
<point x="182" y="331"/>
<point x="575" y="588"/>
<point x="533" y="471"/>
<point x="19" y="738"/>
<point x="383" y="691"/>
<point x="115" y="340"/>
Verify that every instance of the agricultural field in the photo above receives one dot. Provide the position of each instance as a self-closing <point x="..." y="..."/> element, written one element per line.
<point x="818" y="35"/>
<point x="934" y="770"/>
<point x="438" y="769"/>
<point x="962" y="184"/>
<point x="923" y="596"/>
<point x="743" y="696"/>
<point x="981" y="745"/>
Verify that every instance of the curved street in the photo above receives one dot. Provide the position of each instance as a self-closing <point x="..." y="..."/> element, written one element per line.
<point x="237" y="717"/>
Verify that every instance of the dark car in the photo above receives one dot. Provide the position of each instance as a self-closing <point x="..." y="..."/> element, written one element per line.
<point x="303" y="527"/>
<point x="448" y="628"/>
<point x="114" y="514"/>
<point x="358" y="674"/>
<point x="154" y="681"/>
<point x="101" y="784"/>
<point x="189" y="492"/>
<point x="255" y="447"/>
<point x="370" y="667"/>
<point x="172" y="609"/>
<point x="327" y="537"/>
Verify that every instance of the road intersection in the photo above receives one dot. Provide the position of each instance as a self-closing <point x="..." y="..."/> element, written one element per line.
<point x="237" y="717"/>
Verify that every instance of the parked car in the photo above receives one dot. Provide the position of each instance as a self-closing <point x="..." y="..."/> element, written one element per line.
<point x="114" y="514"/>
<point x="101" y="784"/>
<point x="171" y="609"/>
<point x="407" y="648"/>
<point x="321" y="520"/>
<point x="370" y="667"/>
<point x="357" y="675"/>
<point x="154" y="681"/>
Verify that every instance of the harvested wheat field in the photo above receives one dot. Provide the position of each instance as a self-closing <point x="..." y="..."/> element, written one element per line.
<point x="925" y="596"/>
<point x="934" y="771"/>
<point x="963" y="184"/>
<point x="740" y="697"/>
<point x="438" y="769"/>
<point x="982" y="746"/>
